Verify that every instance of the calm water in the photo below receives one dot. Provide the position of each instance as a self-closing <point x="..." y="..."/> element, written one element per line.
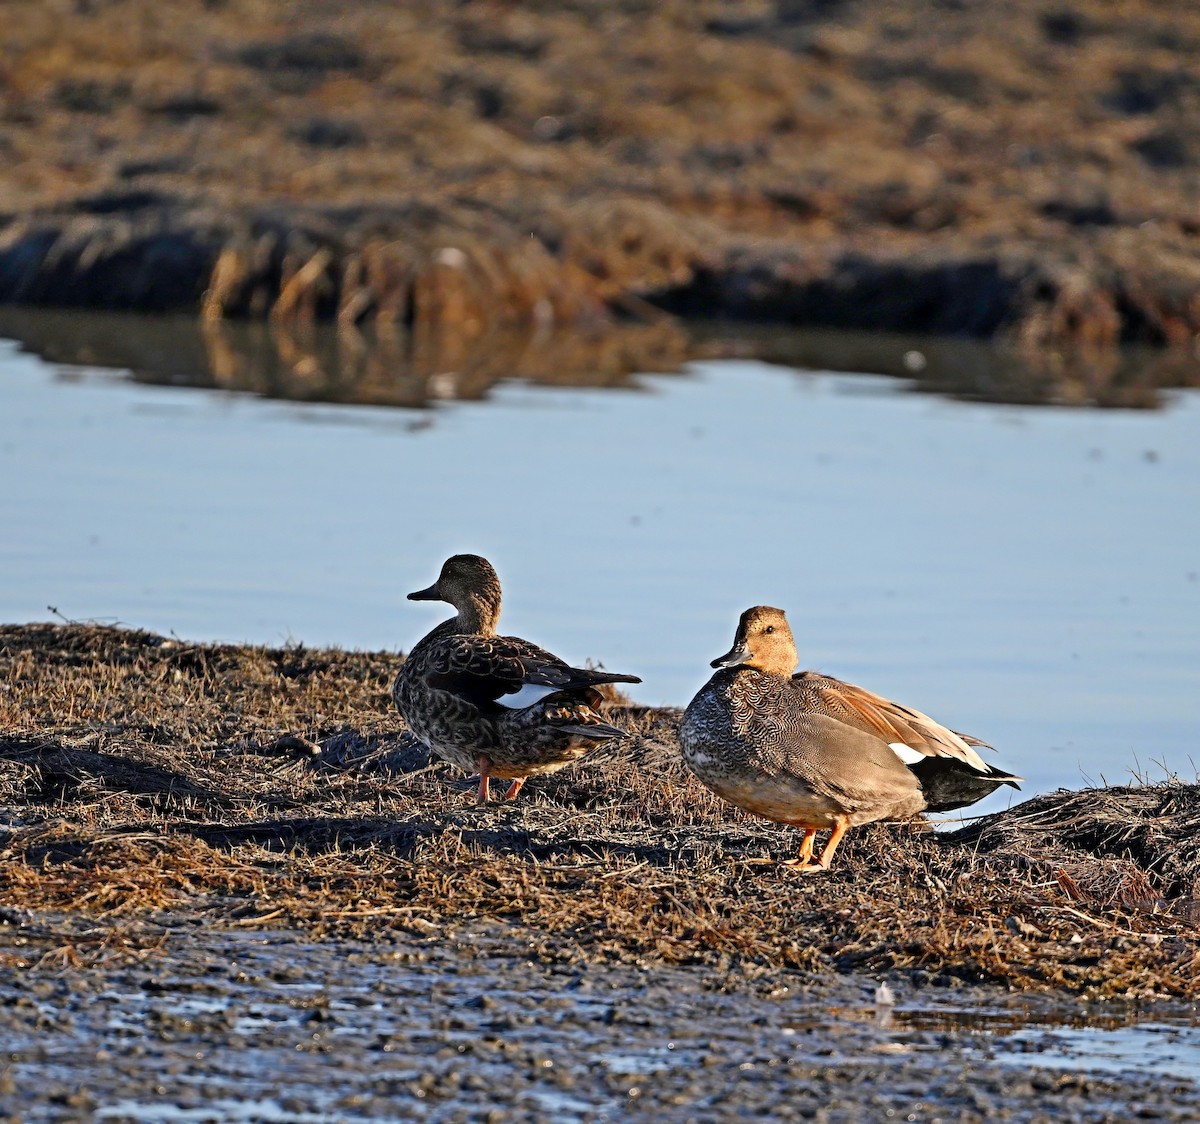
<point x="1029" y="575"/>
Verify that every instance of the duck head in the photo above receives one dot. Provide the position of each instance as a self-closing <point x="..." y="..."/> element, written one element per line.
<point x="763" y="641"/>
<point x="469" y="583"/>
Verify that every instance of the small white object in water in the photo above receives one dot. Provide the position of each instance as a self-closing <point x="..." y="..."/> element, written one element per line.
<point x="884" y="996"/>
<point x="914" y="361"/>
<point x="443" y="385"/>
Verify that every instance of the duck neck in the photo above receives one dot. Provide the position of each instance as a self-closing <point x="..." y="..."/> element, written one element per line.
<point x="480" y="613"/>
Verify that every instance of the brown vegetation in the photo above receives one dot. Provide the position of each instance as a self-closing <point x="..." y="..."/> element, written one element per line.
<point x="143" y="778"/>
<point x="1023" y="167"/>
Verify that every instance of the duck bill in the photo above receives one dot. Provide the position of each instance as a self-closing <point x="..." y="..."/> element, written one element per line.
<point x="736" y="655"/>
<point x="430" y="594"/>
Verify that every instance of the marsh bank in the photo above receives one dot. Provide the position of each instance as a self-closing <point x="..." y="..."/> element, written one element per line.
<point x="1023" y="170"/>
<point x="143" y="773"/>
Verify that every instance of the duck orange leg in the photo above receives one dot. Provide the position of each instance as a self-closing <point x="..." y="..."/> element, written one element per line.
<point x="803" y="863"/>
<point x="513" y="788"/>
<point x="835" y="837"/>
<point x="484" y="772"/>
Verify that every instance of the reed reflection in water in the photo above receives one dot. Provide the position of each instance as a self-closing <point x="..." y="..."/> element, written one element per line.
<point x="417" y="365"/>
<point x="321" y="363"/>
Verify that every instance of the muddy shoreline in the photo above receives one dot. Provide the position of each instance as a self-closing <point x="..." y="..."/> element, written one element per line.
<point x="183" y="1022"/>
<point x="936" y="169"/>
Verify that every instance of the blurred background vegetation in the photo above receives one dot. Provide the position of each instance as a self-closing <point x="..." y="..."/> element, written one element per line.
<point x="1022" y="168"/>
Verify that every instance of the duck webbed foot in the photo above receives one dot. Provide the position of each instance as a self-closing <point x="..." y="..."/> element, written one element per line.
<point x="801" y="867"/>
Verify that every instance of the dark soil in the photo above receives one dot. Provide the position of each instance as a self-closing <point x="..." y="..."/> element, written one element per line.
<point x="1023" y="168"/>
<point x="224" y="1025"/>
<point x="253" y="787"/>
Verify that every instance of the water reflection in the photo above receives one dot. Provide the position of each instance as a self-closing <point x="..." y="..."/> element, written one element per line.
<point x="416" y="367"/>
<point x="321" y="363"/>
<point x="1046" y="1031"/>
<point x="969" y="370"/>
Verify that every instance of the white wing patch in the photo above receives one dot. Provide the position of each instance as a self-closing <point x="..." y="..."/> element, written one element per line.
<point x="529" y="694"/>
<point x="906" y="753"/>
<point x="911" y="756"/>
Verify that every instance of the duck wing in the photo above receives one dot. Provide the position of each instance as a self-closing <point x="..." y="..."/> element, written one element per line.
<point x="902" y="727"/>
<point x="506" y="671"/>
<point x="841" y="760"/>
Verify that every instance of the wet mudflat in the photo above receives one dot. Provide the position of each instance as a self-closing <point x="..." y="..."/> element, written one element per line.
<point x="178" y="1022"/>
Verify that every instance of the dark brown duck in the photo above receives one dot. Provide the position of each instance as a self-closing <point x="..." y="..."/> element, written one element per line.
<point x="496" y="705"/>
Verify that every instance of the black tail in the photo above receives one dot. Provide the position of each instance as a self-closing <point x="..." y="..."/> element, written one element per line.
<point x="949" y="783"/>
<point x="594" y="677"/>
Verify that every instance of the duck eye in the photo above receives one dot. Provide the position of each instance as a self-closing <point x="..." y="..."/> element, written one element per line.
<point x="769" y="628"/>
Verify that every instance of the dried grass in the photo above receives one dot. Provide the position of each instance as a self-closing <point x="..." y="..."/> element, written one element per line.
<point x="143" y="779"/>
<point x="291" y="161"/>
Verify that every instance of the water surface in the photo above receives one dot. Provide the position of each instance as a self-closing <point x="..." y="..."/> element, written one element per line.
<point x="1029" y="575"/>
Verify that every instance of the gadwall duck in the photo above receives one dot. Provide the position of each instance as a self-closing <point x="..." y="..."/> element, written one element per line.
<point x="818" y="753"/>
<point x="496" y="705"/>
